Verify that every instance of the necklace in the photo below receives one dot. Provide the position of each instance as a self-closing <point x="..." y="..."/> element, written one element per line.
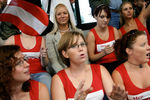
<point x="63" y="31"/>
<point x="140" y="65"/>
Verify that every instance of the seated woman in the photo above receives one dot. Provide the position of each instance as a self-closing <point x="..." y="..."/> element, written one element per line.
<point x="33" y="47"/>
<point x="63" y="22"/>
<point x="128" y="22"/>
<point x="133" y="74"/>
<point x="101" y="38"/>
<point x="15" y="83"/>
<point x="80" y="78"/>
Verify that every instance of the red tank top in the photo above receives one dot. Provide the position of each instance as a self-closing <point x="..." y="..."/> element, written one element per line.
<point x="140" y="26"/>
<point x="32" y="54"/>
<point x="34" y="90"/>
<point x="98" y="41"/>
<point x="134" y="93"/>
<point x="97" y="93"/>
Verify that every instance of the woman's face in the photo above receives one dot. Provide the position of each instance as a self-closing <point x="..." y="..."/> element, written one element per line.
<point x="21" y="72"/>
<point x="62" y="15"/>
<point x="102" y="19"/>
<point x="140" y="49"/>
<point x="77" y="52"/>
<point x="127" y="11"/>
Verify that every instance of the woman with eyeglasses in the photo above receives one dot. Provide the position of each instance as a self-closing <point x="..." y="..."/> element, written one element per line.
<point x="81" y="81"/>
<point x="34" y="49"/>
<point x="129" y="23"/>
<point x="15" y="83"/>
<point x="133" y="74"/>
<point x="101" y="38"/>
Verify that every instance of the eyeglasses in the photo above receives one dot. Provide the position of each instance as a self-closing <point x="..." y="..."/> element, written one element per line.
<point x="75" y="46"/>
<point x="21" y="61"/>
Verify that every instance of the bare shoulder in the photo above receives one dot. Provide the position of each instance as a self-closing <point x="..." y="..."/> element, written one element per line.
<point x="57" y="88"/>
<point x="10" y="41"/>
<point x="117" y="33"/>
<point x="56" y="79"/>
<point x="90" y="35"/>
<point x="43" y="92"/>
<point x="117" y="78"/>
<point x="103" y="68"/>
<point x="115" y="74"/>
<point x="104" y="72"/>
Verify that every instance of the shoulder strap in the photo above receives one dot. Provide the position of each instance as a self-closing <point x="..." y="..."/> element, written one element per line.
<point x="34" y="90"/>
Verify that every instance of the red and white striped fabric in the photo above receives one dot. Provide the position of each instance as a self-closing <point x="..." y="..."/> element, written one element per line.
<point x="29" y="18"/>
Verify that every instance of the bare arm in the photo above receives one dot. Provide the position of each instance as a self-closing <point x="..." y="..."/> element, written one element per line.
<point x="44" y="56"/>
<point x="114" y="92"/>
<point x="91" y="48"/>
<point x="120" y="33"/>
<point x="145" y="13"/>
<point x="57" y="89"/>
<point x="117" y="34"/>
<point x="106" y="80"/>
<point x="43" y="92"/>
<point x="117" y="79"/>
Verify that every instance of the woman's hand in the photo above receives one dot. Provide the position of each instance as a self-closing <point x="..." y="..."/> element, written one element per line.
<point x="43" y="56"/>
<point x="118" y="93"/>
<point x="43" y="52"/>
<point x="80" y="93"/>
<point x="108" y="49"/>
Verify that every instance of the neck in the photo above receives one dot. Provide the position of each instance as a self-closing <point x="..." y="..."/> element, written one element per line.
<point x="26" y="35"/>
<point x="134" y="64"/>
<point x="129" y="22"/>
<point x="77" y="68"/>
<point x="63" y="27"/>
<point x="17" y="88"/>
<point x="101" y="30"/>
<point x="64" y="30"/>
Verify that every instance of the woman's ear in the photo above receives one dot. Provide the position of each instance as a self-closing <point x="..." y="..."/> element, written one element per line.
<point x="65" y="54"/>
<point x="128" y="51"/>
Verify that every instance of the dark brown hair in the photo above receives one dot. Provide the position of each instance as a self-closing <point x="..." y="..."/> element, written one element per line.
<point x="66" y="41"/>
<point x="7" y="64"/>
<point x="100" y="8"/>
<point x="126" y="41"/>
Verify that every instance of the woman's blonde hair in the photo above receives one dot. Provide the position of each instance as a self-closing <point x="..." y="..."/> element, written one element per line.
<point x="55" y="28"/>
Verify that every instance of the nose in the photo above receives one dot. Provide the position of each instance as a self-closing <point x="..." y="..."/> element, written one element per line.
<point x="26" y="63"/>
<point x="62" y="15"/>
<point x="105" y="19"/>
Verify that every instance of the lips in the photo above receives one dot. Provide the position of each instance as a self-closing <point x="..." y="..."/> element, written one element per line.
<point x="82" y="55"/>
<point x="27" y="72"/>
